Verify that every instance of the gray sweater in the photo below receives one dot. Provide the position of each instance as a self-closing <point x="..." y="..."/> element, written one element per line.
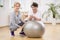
<point x="14" y="21"/>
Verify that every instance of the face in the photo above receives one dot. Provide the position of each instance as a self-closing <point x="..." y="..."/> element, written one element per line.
<point x="34" y="8"/>
<point x="16" y="7"/>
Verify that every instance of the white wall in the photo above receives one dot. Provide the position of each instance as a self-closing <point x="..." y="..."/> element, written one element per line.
<point x="25" y="5"/>
<point x="4" y="11"/>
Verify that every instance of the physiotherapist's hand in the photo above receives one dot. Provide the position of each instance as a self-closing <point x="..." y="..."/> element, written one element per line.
<point x="37" y="19"/>
<point x="30" y="18"/>
<point x="34" y="17"/>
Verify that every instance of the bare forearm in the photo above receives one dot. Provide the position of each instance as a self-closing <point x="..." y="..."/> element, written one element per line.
<point x="30" y="18"/>
<point x="37" y="19"/>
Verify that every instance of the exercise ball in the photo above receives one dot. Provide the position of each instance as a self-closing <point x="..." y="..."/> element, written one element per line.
<point x="33" y="29"/>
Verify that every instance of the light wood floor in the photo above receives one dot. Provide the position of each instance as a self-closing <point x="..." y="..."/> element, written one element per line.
<point x="51" y="33"/>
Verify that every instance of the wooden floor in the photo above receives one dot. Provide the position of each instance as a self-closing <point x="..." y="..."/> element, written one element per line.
<point x="51" y="33"/>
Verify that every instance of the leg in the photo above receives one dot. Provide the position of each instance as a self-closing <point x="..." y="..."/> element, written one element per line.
<point x="22" y="31"/>
<point x="12" y="33"/>
<point x="21" y="24"/>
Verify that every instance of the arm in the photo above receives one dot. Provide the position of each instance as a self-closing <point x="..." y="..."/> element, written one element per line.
<point x="30" y="18"/>
<point x="37" y="19"/>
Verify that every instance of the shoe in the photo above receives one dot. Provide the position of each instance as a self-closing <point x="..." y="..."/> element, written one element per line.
<point x="22" y="33"/>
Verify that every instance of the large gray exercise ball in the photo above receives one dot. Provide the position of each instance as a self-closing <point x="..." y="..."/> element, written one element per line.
<point x="33" y="29"/>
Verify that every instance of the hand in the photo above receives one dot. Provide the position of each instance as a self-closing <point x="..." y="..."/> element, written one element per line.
<point x="30" y="18"/>
<point x="37" y="19"/>
<point x="26" y="15"/>
<point x="17" y="27"/>
<point x="34" y="17"/>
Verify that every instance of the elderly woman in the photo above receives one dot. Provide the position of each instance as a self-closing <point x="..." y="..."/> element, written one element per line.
<point x="15" y="19"/>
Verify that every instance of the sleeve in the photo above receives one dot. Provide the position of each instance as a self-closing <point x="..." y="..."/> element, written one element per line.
<point x="39" y="15"/>
<point x="12" y="20"/>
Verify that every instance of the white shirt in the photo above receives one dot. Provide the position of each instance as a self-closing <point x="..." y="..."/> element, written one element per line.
<point x="38" y="15"/>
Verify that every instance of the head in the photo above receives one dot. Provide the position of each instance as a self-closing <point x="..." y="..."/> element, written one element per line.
<point x="34" y="6"/>
<point x="16" y="6"/>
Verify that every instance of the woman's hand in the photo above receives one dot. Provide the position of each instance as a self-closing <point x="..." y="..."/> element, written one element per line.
<point x="37" y="19"/>
<point x="30" y="18"/>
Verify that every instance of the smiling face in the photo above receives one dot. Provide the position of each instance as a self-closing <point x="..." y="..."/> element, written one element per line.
<point x="34" y="7"/>
<point x="16" y="6"/>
